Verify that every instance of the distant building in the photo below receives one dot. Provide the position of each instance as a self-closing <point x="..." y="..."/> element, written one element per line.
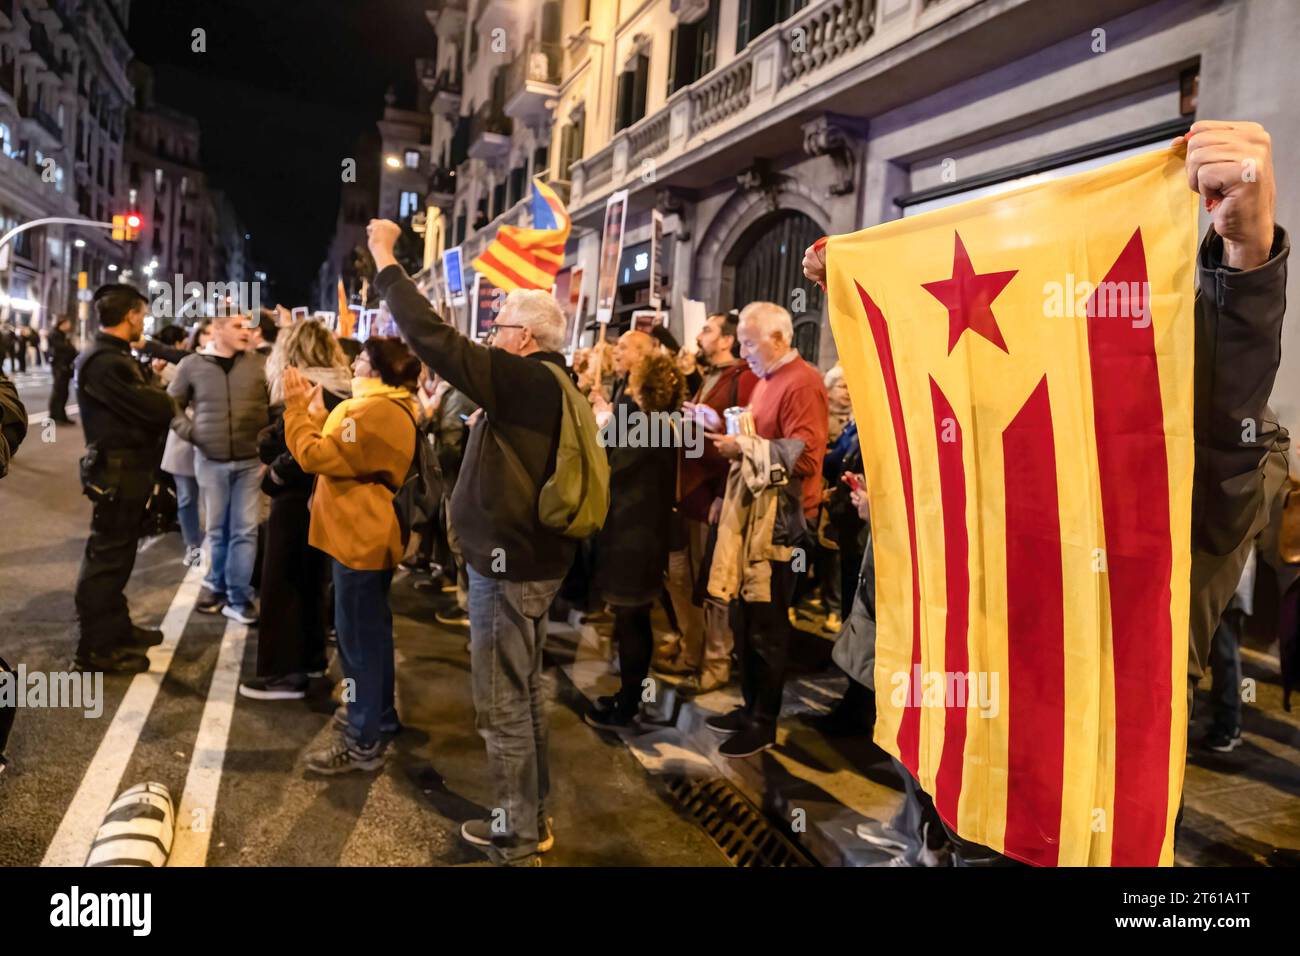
<point x="358" y="204"/>
<point x="64" y="95"/>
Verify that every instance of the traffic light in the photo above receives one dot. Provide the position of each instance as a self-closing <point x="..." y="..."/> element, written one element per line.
<point x="127" y="226"/>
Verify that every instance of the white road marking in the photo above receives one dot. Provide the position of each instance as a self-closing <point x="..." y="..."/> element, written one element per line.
<point x="72" y="841"/>
<point x="198" y="805"/>
<point x="38" y="418"/>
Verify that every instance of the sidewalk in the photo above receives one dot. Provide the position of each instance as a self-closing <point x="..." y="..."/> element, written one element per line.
<point x="1239" y="807"/>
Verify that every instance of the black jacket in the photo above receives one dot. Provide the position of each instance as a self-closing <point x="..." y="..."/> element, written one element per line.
<point x="284" y="476"/>
<point x="120" y="409"/>
<point x="1241" y="451"/>
<point x="493" y="509"/>
<point x="62" y="352"/>
<point x="634" y="542"/>
<point x="13" y="422"/>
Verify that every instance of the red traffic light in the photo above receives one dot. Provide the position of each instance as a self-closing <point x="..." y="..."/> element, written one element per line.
<point x="133" y="220"/>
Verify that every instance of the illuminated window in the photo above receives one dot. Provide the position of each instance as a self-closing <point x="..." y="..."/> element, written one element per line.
<point x="412" y="159"/>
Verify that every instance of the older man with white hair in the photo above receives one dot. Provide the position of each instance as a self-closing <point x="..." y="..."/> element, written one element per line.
<point x="789" y="401"/>
<point x="515" y="563"/>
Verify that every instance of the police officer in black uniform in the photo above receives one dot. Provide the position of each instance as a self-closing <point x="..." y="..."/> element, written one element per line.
<point x="62" y="356"/>
<point x="125" y="419"/>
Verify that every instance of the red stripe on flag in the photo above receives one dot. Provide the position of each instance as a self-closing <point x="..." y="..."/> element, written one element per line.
<point x="1035" y="636"/>
<point x="956" y="554"/>
<point x="1133" y="471"/>
<point x="909" y="728"/>
<point x="523" y="252"/>
<point x="492" y="261"/>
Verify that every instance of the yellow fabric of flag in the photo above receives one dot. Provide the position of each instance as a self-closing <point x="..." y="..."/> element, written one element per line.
<point x="1021" y="372"/>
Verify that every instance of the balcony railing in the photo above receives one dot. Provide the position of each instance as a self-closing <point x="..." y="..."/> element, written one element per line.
<point x="489" y="131"/>
<point x="786" y="62"/>
<point x="535" y="63"/>
<point x="825" y="33"/>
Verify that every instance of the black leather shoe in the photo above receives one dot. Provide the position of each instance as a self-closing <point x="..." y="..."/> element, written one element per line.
<point x="145" y="636"/>
<point x="120" y="660"/>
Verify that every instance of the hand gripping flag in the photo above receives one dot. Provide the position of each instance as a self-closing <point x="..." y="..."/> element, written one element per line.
<point x="520" y="258"/>
<point x="1021" y="370"/>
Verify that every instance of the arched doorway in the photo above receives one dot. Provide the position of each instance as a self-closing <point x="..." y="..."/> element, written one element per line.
<point x="766" y="264"/>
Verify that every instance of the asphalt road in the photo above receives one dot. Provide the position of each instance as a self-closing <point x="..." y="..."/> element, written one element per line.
<point x="245" y="800"/>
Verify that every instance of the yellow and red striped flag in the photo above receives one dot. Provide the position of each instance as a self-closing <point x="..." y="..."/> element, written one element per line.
<point x="1021" y="371"/>
<point x="520" y="258"/>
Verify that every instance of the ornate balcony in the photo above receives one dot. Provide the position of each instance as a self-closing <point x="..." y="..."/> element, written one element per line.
<point x="814" y="45"/>
<point x="533" y="81"/>
<point x="441" y="191"/>
<point x="446" y="93"/>
<point x="489" y="132"/>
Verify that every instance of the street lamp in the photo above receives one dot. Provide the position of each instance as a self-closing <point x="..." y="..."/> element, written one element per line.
<point x="393" y="162"/>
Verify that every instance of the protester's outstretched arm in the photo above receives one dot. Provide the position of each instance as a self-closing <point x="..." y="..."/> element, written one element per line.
<point x="1241" y="299"/>
<point x="467" y="365"/>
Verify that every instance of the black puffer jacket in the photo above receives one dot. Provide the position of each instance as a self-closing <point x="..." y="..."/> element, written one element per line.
<point x="230" y="408"/>
<point x="13" y="422"/>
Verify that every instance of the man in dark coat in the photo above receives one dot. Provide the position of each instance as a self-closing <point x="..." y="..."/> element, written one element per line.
<point x="62" y="355"/>
<point x="125" y="418"/>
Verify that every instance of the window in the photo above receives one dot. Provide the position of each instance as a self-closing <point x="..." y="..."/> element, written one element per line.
<point x="158" y="179"/>
<point x="756" y="16"/>
<point x="5" y="146"/>
<point x="498" y="199"/>
<point x="571" y="142"/>
<point x="410" y="204"/>
<point x="692" y="50"/>
<point x="631" y="92"/>
<point x="518" y="177"/>
<point x="412" y="159"/>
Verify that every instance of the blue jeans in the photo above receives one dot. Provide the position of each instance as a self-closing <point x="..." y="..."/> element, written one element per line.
<point x="507" y="627"/>
<point x="187" y="510"/>
<point x="364" y="621"/>
<point x="231" y="492"/>
<point x="1225" y="666"/>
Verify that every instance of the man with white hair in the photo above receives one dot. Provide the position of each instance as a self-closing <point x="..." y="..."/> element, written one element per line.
<point x="789" y="401"/>
<point x="515" y="563"/>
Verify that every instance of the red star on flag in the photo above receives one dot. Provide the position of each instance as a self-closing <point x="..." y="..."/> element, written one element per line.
<point x="967" y="296"/>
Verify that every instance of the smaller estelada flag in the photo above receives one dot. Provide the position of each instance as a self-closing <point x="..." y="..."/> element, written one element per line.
<point x="521" y="258"/>
<point x="347" y="318"/>
<point x="1021" y="373"/>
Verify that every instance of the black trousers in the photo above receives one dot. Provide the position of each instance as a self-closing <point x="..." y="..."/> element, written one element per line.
<point x="102" y="612"/>
<point x="291" y="633"/>
<point x="762" y="632"/>
<point x="635" y="639"/>
<point x="59" y="393"/>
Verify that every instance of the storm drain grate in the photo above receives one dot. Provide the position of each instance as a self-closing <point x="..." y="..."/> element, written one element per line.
<point x="741" y="831"/>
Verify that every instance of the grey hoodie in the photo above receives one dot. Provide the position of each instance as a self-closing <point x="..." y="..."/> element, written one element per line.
<point x="229" y="408"/>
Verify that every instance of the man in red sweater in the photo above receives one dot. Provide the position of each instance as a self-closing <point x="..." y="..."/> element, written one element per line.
<point x="789" y="401"/>
<point x="705" y="654"/>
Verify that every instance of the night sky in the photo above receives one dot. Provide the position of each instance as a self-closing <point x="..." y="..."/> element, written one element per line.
<point x="282" y="93"/>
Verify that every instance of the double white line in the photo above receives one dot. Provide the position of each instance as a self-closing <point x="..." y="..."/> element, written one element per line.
<point x="103" y="778"/>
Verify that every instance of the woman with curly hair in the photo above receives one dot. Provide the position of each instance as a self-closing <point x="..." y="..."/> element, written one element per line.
<point x="291" y="638"/>
<point x="633" y="545"/>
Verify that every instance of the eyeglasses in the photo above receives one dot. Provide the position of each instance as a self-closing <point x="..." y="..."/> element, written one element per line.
<point x="502" y="325"/>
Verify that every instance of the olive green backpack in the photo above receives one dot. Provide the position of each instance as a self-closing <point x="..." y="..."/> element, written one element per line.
<point x="575" y="499"/>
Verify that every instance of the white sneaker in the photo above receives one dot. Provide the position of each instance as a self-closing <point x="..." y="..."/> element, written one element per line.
<point x="193" y="557"/>
<point x="244" y="615"/>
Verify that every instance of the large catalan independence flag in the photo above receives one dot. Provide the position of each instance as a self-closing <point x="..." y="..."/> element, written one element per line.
<point x="522" y="258"/>
<point x="1021" y="371"/>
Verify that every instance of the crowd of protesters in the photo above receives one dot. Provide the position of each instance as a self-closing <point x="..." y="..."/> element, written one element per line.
<point x="307" y="469"/>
